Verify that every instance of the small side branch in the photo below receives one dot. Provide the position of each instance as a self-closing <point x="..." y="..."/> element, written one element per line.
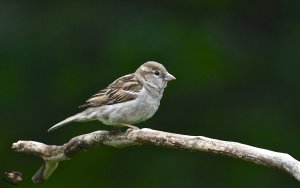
<point x="52" y="154"/>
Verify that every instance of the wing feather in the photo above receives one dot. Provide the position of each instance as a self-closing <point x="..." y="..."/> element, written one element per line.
<point x="121" y="90"/>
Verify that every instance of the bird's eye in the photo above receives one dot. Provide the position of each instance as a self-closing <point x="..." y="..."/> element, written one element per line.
<point x="156" y="73"/>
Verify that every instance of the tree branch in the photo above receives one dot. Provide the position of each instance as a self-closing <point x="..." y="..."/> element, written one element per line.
<point x="52" y="154"/>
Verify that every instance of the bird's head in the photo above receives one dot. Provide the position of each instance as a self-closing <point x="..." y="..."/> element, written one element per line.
<point x="154" y="74"/>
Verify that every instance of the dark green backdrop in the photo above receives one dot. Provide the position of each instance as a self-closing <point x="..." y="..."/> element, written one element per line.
<point x="237" y="69"/>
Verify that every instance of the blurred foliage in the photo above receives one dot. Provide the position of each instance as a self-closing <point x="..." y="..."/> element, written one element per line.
<point x="237" y="69"/>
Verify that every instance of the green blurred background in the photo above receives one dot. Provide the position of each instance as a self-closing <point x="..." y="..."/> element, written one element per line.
<point x="237" y="69"/>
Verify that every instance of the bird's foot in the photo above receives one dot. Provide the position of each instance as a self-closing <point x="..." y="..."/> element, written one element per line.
<point x="116" y="131"/>
<point x="130" y="126"/>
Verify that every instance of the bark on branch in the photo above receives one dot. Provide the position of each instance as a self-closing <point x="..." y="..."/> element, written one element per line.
<point x="52" y="154"/>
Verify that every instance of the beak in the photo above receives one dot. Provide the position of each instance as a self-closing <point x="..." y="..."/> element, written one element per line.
<point x="169" y="77"/>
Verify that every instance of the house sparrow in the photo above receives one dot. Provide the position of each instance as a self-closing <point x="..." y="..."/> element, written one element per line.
<point x="131" y="99"/>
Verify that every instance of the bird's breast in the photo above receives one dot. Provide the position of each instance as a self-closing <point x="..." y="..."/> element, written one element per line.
<point x="130" y="112"/>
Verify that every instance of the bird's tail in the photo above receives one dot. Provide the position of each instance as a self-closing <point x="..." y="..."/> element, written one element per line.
<point x="76" y="117"/>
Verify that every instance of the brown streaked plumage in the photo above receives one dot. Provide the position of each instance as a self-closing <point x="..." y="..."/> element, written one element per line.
<point x="121" y="90"/>
<point x="131" y="99"/>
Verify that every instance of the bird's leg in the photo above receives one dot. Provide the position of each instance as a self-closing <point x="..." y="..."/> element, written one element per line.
<point x="115" y="131"/>
<point x="130" y="126"/>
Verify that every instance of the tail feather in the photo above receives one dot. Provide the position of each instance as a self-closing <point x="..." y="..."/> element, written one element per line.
<point x="64" y="122"/>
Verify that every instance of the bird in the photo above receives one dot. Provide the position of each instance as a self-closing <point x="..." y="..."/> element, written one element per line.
<point x="128" y="100"/>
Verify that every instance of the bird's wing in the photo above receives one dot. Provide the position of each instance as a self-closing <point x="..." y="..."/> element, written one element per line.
<point x="123" y="89"/>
